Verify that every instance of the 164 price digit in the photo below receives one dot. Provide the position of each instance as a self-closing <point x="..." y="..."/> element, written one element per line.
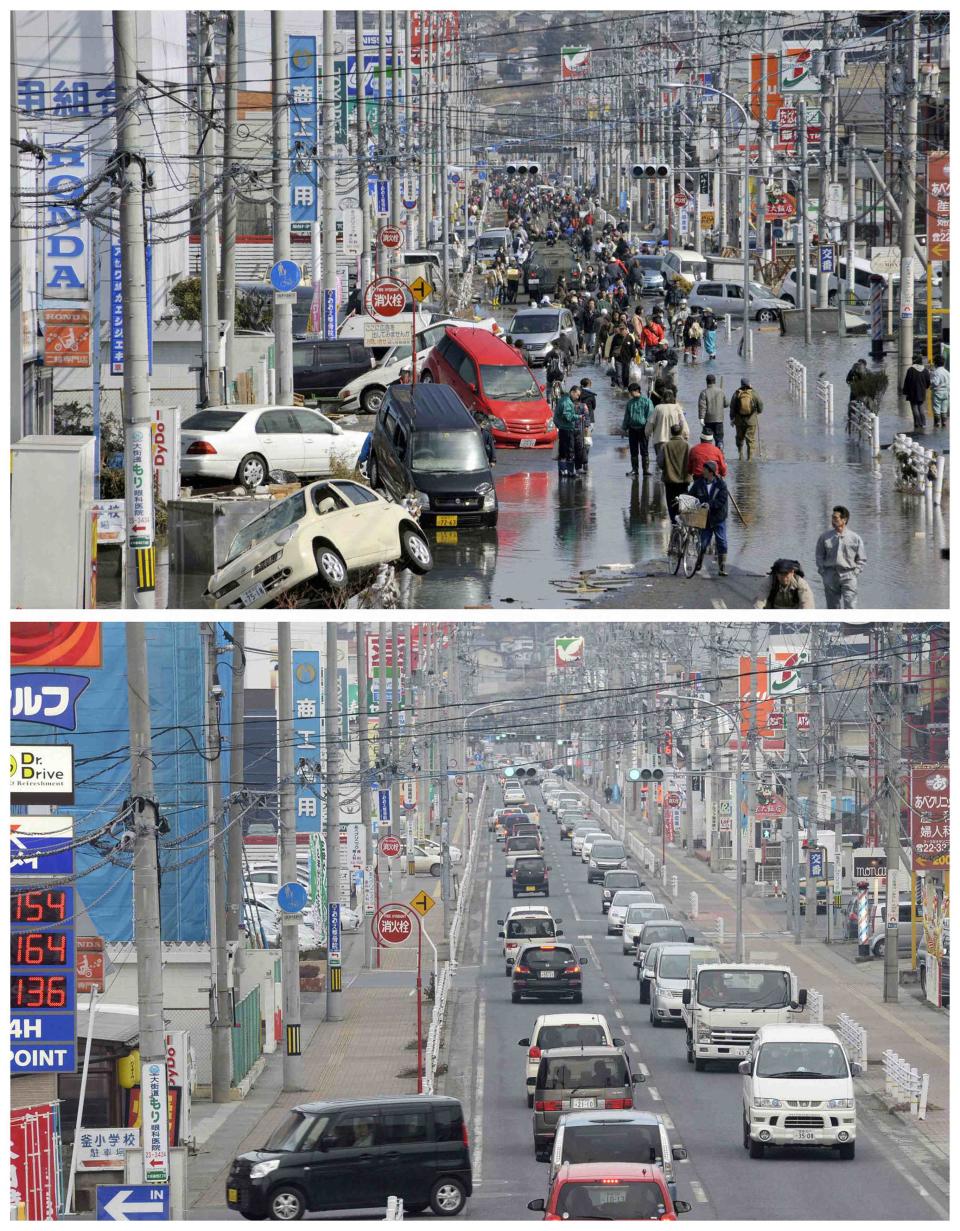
<point x="39" y="949"/>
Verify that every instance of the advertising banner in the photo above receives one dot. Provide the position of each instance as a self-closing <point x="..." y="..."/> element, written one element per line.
<point x="938" y="206"/>
<point x="567" y="650"/>
<point x="304" y="128"/>
<point x="307" y="719"/>
<point x="929" y="787"/>
<point x="574" y="63"/>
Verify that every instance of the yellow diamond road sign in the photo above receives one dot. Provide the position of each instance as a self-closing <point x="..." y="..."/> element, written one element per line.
<point x="420" y="288"/>
<point x="422" y="902"/>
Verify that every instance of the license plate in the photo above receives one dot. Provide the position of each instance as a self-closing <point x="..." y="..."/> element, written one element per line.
<point x="804" y="1134"/>
<point x="528" y="443"/>
<point x="447" y="519"/>
<point x="531" y="888"/>
<point x="253" y="595"/>
<point x="448" y="536"/>
<point x="548" y="974"/>
<point x="583" y="1104"/>
<point x="233" y="1194"/>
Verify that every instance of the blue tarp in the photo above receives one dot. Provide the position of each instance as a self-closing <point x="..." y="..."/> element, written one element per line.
<point x="102" y="774"/>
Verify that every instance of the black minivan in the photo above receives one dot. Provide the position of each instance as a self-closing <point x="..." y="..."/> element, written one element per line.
<point x="425" y="440"/>
<point x="353" y="1154"/>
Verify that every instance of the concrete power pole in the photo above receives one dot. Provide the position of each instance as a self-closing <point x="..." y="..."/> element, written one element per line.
<point x="413" y="216"/>
<point x="16" y="256"/>
<point x="235" y="833"/>
<point x="331" y="735"/>
<point x="892" y="635"/>
<point x="140" y="578"/>
<point x="206" y="63"/>
<point x="146" y="882"/>
<point x="290" y="923"/>
<point x="228" y="218"/>
<point x="763" y="152"/>
<point x="395" y="130"/>
<point x="366" y="820"/>
<point x="790" y="841"/>
<point x="803" y="282"/>
<point x="282" y="312"/>
<point x="330" y="179"/>
<point x="221" y="1004"/>
<point x="366" y="272"/>
<point x="826" y="109"/>
<point x="908" y="197"/>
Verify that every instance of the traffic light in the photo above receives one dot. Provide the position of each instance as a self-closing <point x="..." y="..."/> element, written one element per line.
<point x="633" y="775"/>
<point x="650" y="171"/>
<point x="534" y="168"/>
<point x="651" y="775"/>
<point x="511" y="168"/>
<point x="522" y="169"/>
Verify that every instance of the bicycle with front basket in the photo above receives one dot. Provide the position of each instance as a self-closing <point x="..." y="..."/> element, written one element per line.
<point x="685" y="550"/>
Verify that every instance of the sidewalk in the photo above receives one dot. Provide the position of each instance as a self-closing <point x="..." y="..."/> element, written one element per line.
<point x="914" y="1029"/>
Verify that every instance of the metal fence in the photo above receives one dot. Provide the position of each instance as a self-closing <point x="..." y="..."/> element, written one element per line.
<point x="246" y="1044"/>
<point x="920" y="471"/>
<point x="854" y="1039"/>
<point x="905" y="1084"/>
<point x="814" y="1007"/>
<point x="864" y="425"/>
<point x="825" y="397"/>
<point x="797" y="379"/>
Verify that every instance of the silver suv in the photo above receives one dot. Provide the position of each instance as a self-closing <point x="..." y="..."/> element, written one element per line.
<point x="539" y="328"/>
<point x="723" y="298"/>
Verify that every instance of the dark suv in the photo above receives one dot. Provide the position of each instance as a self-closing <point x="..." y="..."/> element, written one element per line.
<point x="425" y="440"/>
<point x="321" y="369"/>
<point x="548" y="970"/>
<point x="530" y="875"/>
<point x="354" y="1154"/>
<point x="621" y="878"/>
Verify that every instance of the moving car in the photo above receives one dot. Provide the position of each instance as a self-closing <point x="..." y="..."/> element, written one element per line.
<point x="539" y="328"/>
<point x="670" y="976"/>
<point x="244" y="443"/>
<point x="615" y="1137"/>
<point x="495" y="384"/>
<point x="621" y="902"/>
<point x="578" y="1079"/>
<point x="569" y="821"/>
<point x="520" y="844"/>
<point x="589" y="841"/>
<point x="636" y="917"/>
<point x="621" y="878"/>
<point x="581" y="833"/>
<point x="798" y="1090"/>
<point x="660" y="929"/>
<point x="354" y="1154"/>
<point x="548" y="969"/>
<point x="426" y="441"/>
<point x="322" y="533"/>
<point x="530" y="875"/>
<point x="563" y="1030"/>
<point x="522" y="925"/>
<point x="610" y="1191"/>
<point x="605" y="856"/>
<point x="727" y="298"/>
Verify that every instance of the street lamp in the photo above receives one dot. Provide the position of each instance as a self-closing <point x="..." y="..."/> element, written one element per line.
<point x="745" y="227"/>
<point x="733" y="717"/>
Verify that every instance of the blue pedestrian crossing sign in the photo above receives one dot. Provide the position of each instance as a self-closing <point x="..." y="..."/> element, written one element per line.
<point x="292" y="898"/>
<point x="132" y="1202"/>
<point x="285" y="276"/>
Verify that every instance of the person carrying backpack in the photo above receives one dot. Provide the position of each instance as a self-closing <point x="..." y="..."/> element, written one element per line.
<point x="692" y="337"/>
<point x="745" y="408"/>
<point x="788" y="588"/>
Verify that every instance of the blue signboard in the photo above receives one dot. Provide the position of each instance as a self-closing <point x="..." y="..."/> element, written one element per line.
<point x="815" y="858"/>
<point x="383" y="196"/>
<point x="304" y="127"/>
<point x="307" y="719"/>
<point x="333" y="948"/>
<point x="47" y="697"/>
<point x="828" y="256"/>
<point x="132" y="1202"/>
<point x="40" y="856"/>
<point x="43" y="991"/>
<point x="330" y="315"/>
<point x="285" y="276"/>
<point x="383" y="806"/>
<point x="116" y="309"/>
<point x="292" y="897"/>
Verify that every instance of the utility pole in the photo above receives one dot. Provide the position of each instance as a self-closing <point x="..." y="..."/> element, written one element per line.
<point x="330" y="180"/>
<point x="17" y="422"/>
<point x="413" y="216"/>
<point x="445" y="198"/>
<point x="804" y="278"/>
<point x="826" y="110"/>
<point x="289" y="922"/>
<point x="763" y="152"/>
<point x="790" y="840"/>
<point x="228" y="222"/>
<point x="366" y="819"/>
<point x="908" y="220"/>
<point x="752" y="740"/>
<point x="720" y="189"/>
<point x="140" y="578"/>
<point x="444" y="763"/>
<point x="146" y="877"/>
<point x="331" y="733"/>
<point x="235" y="832"/>
<point x="221" y="1002"/>
<point x="815" y="765"/>
<point x="363" y="193"/>
<point x="282" y="312"/>
<point x="395" y="129"/>
<point x="206" y="62"/>
<point x="892" y="697"/>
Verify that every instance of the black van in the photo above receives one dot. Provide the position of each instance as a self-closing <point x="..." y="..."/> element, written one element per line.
<point x="355" y="1153"/>
<point x="530" y="875"/>
<point x="321" y="369"/>
<point x="425" y="440"/>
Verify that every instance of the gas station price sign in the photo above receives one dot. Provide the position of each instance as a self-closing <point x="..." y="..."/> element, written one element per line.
<point x="43" y="980"/>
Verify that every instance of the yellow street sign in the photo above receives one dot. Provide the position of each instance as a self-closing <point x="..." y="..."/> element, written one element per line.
<point x="422" y="902"/>
<point x="420" y="288"/>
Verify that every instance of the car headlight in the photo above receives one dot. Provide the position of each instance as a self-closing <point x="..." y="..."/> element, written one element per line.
<point x="549" y="425"/>
<point x="593" y="863"/>
<point x="767" y="1102"/>
<point x="497" y="422"/>
<point x="489" y="500"/>
<point x="259" y="1170"/>
<point x="286" y="535"/>
<point x="424" y="499"/>
<point x="703" y="1031"/>
<point x="266" y="563"/>
<point x="841" y="1102"/>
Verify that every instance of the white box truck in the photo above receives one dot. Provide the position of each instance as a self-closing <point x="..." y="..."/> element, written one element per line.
<point x="727" y="1004"/>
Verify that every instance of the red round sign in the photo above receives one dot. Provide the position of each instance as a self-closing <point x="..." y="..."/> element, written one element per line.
<point x="680" y="199"/>
<point x="390" y="237"/>
<point x="673" y="800"/>
<point x="390" y="846"/>
<point x="392" y="927"/>
<point x="385" y="298"/>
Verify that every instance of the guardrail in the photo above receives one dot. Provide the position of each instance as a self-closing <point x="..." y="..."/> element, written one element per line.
<point x="814" y="1006"/>
<point x="854" y="1039"/>
<point x="905" y="1084"/>
<point x="825" y="397"/>
<point x="797" y="379"/>
<point x="444" y="979"/>
<point x="920" y="471"/>
<point x="864" y="423"/>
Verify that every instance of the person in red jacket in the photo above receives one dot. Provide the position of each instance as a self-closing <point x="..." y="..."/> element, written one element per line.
<point x="706" y="451"/>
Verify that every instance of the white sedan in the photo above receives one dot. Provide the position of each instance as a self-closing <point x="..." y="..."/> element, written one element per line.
<point x="456" y="854"/>
<point x="244" y="443"/>
<point x="321" y="533"/>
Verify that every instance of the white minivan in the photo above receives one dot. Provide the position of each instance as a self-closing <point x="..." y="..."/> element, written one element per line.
<point x="798" y="1090"/>
<point x="683" y="263"/>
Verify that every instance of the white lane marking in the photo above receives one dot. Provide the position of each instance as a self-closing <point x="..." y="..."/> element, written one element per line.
<point x="478" y="1096"/>
<point x="642" y="1067"/>
<point x="719" y="603"/>
<point x="625" y="1030"/>
<point x="698" y="1191"/>
<point x="654" y="1094"/>
<point x="618" y="1013"/>
<point x="634" y="1047"/>
<point x="668" y="1123"/>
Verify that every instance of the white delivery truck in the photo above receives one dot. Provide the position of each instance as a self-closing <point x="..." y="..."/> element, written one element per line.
<point x="727" y="1004"/>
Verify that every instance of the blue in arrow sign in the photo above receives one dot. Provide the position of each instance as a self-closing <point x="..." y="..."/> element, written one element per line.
<point x="132" y="1202"/>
